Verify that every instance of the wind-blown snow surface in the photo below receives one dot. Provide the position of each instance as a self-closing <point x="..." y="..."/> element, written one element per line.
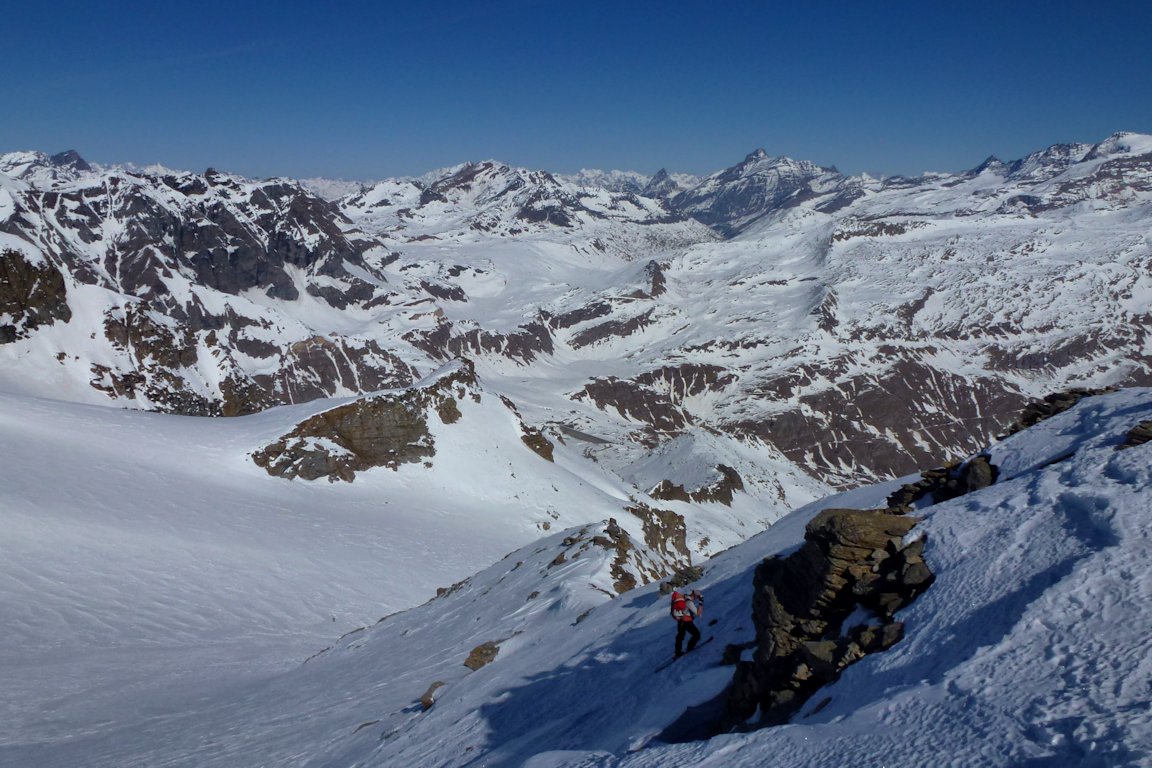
<point x="149" y="564"/>
<point x="1030" y="649"/>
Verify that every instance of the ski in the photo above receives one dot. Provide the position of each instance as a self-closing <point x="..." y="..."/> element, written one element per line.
<point x="669" y="663"/>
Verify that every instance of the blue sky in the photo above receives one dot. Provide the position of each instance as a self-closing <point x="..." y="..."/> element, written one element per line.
<point x="369" y="90"/>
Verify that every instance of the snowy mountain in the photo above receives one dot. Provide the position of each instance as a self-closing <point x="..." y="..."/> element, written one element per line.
<point x="861" y="326"/>
<point x="425" y="374"/>
<point x="1027" y="648"/>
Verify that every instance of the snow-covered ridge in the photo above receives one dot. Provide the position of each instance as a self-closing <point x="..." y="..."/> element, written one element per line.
<point x="1029" y="647"/>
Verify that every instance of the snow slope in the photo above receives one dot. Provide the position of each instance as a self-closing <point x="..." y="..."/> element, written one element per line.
<point x="1029" y="648"/>
<point x="145" y="553"/>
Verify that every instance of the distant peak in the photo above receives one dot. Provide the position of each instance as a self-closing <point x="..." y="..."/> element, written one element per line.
<point x="1122" y="143"/>
<point x="991" y="163"/>
<point x="69" y="159"/>
<point x="756" y="156"/>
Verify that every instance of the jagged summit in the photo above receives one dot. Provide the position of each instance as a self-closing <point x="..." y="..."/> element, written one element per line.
<point x="731" y="200"/>
<point x="70" y="159"/>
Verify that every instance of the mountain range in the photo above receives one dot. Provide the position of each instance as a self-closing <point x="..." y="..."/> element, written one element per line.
<point x="423" y="375"/>
<point x="860" y="327"/>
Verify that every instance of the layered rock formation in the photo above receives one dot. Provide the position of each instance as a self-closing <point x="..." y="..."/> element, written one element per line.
<point x="826" y="606"/>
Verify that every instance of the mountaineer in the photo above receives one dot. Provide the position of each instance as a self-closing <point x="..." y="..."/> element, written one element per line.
<point x="686" y="609"/>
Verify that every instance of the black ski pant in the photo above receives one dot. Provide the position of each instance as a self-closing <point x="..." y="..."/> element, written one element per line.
<point x="686" y="627"/>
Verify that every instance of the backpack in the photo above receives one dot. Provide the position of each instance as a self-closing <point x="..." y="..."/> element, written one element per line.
<point x="680" y="610"/>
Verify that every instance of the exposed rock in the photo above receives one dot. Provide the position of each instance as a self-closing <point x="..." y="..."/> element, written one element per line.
<point x="444" y="291"/>
<point x="664" y="532"/>
<point x="720" y="490"/>
<point x="657" y="282"/>
<point x="873" y="423"/>
<point x="444" y="343"/>
<point x="482" y="655"/>
<point x="1138" y="435"/>
<point x="666" y="490"/>
<point x="636" y="402"/>
<point x="850" y="227"/>
<point x="945" y="483"/>
<point x="576" y="316"/>
<point x="687" y="380"/>
<point x="31" y="295"/>
<point x="539" y="444"/>
<point x="531" y="436"/>
<point x="851" y="560"/>
<point x="730" y="199"/>
<point x="1058" y="402"/>
<point x="70" y="159"/>
<point x="682" y="578"/>
<point x="612" y="328"/>
<point x="429" y="696"/>
<point x="456" y="587"/>
<point x="631" y="567"/>
<point x="382" y="431"/>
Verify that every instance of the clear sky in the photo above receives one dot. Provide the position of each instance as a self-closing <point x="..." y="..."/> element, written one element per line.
<point x="374" y="89"/>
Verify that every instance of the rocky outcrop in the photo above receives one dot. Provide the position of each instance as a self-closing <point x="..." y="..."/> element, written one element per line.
<point x="678" y="382"/>
<point x="445" y="342"/>
<point x="633" y="565"/>
<point x="720" y="490"/>
<point x="537" y="443"/>
<point x="682" y="578"/>
<point x="158" y="364"/>
<point x="531" y="436"/>
<point x="824" y="607"/>
<point x="612" y="328"/>
<point x="428" y="698"/>
<point x="1057" y="402"/>
<point x="31" y="295"/>
<point x="482" y="655"/>
<point x="664" y="532"/>
<point x="383" y="431"/>
<point x="635" y="401"/>
<point x="1138" y="435"/>
<point x="657" y="280"/>
<point x="945" y="483"/>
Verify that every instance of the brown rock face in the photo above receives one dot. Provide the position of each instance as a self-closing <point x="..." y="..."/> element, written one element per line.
<point x="1138" y="435"/>
<point x="482" y="655"/>
<point x="1058" y="402"/>
<point x="850" y="559"/>
<point x="429" y="696"/>
<point x="635" y="401"/>
<point x="875" y="424"/>
<point x="664" y="532"/>
<point x="719" y="490"/>
<point x="30" y="295"/>
<point x="384" y="431"/>
<point x="443" y="342"/>
<point x="947" y="482"/>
